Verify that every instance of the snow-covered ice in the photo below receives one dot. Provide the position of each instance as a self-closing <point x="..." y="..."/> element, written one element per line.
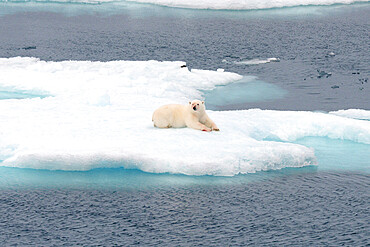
<point x="98" y="114"/>
<point x="353" y="113"/>
<point x="242" y="4"/>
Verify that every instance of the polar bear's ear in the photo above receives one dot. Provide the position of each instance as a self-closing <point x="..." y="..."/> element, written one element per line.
<point x="202" y="102"/>
<point x="189" y="102"/>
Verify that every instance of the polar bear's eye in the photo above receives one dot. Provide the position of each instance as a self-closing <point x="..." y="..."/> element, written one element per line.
<point x="197" y="104"/>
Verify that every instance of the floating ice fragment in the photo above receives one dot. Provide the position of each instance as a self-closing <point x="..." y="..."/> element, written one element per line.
<point x="257" y="61"/>
<point x="330" y="54"/>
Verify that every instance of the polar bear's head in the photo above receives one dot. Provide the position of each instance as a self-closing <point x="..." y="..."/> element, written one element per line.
<point x="197" y="105"/>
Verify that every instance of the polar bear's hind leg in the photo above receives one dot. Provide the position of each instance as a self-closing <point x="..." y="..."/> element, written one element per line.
<point x="162" y="124"/>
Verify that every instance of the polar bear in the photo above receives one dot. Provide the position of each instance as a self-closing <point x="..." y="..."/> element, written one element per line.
<point x="192" y="115"/>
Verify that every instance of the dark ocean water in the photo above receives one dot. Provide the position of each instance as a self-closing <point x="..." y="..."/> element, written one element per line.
<point x="311" y="209"/>
<point x="302" y="38"/>
<point x="315" y="208"/>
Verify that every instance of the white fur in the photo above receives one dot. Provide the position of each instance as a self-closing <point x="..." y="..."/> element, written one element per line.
<point x="192" y="115"/>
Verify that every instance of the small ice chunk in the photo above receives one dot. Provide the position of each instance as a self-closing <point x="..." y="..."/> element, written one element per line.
<point x="257" y="61"/>
<point x="273" y="59"/>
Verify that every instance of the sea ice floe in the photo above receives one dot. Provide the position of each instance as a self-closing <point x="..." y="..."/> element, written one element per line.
<point x="243" y="4"/>
<point x="99" y="114"/>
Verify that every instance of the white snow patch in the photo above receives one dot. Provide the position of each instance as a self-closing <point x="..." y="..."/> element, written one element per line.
<point x="242" y="4"/>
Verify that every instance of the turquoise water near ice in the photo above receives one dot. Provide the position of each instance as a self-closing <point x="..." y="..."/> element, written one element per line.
<point x="236" y="95"/>
<point x="333" y="155"/>
<point x="9" y="93"/>
<point x="339" y="155"/>
<point x="120" y="178"/>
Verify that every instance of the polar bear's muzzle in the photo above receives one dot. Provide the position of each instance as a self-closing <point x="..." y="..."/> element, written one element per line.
<point x="195" y="105"/>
